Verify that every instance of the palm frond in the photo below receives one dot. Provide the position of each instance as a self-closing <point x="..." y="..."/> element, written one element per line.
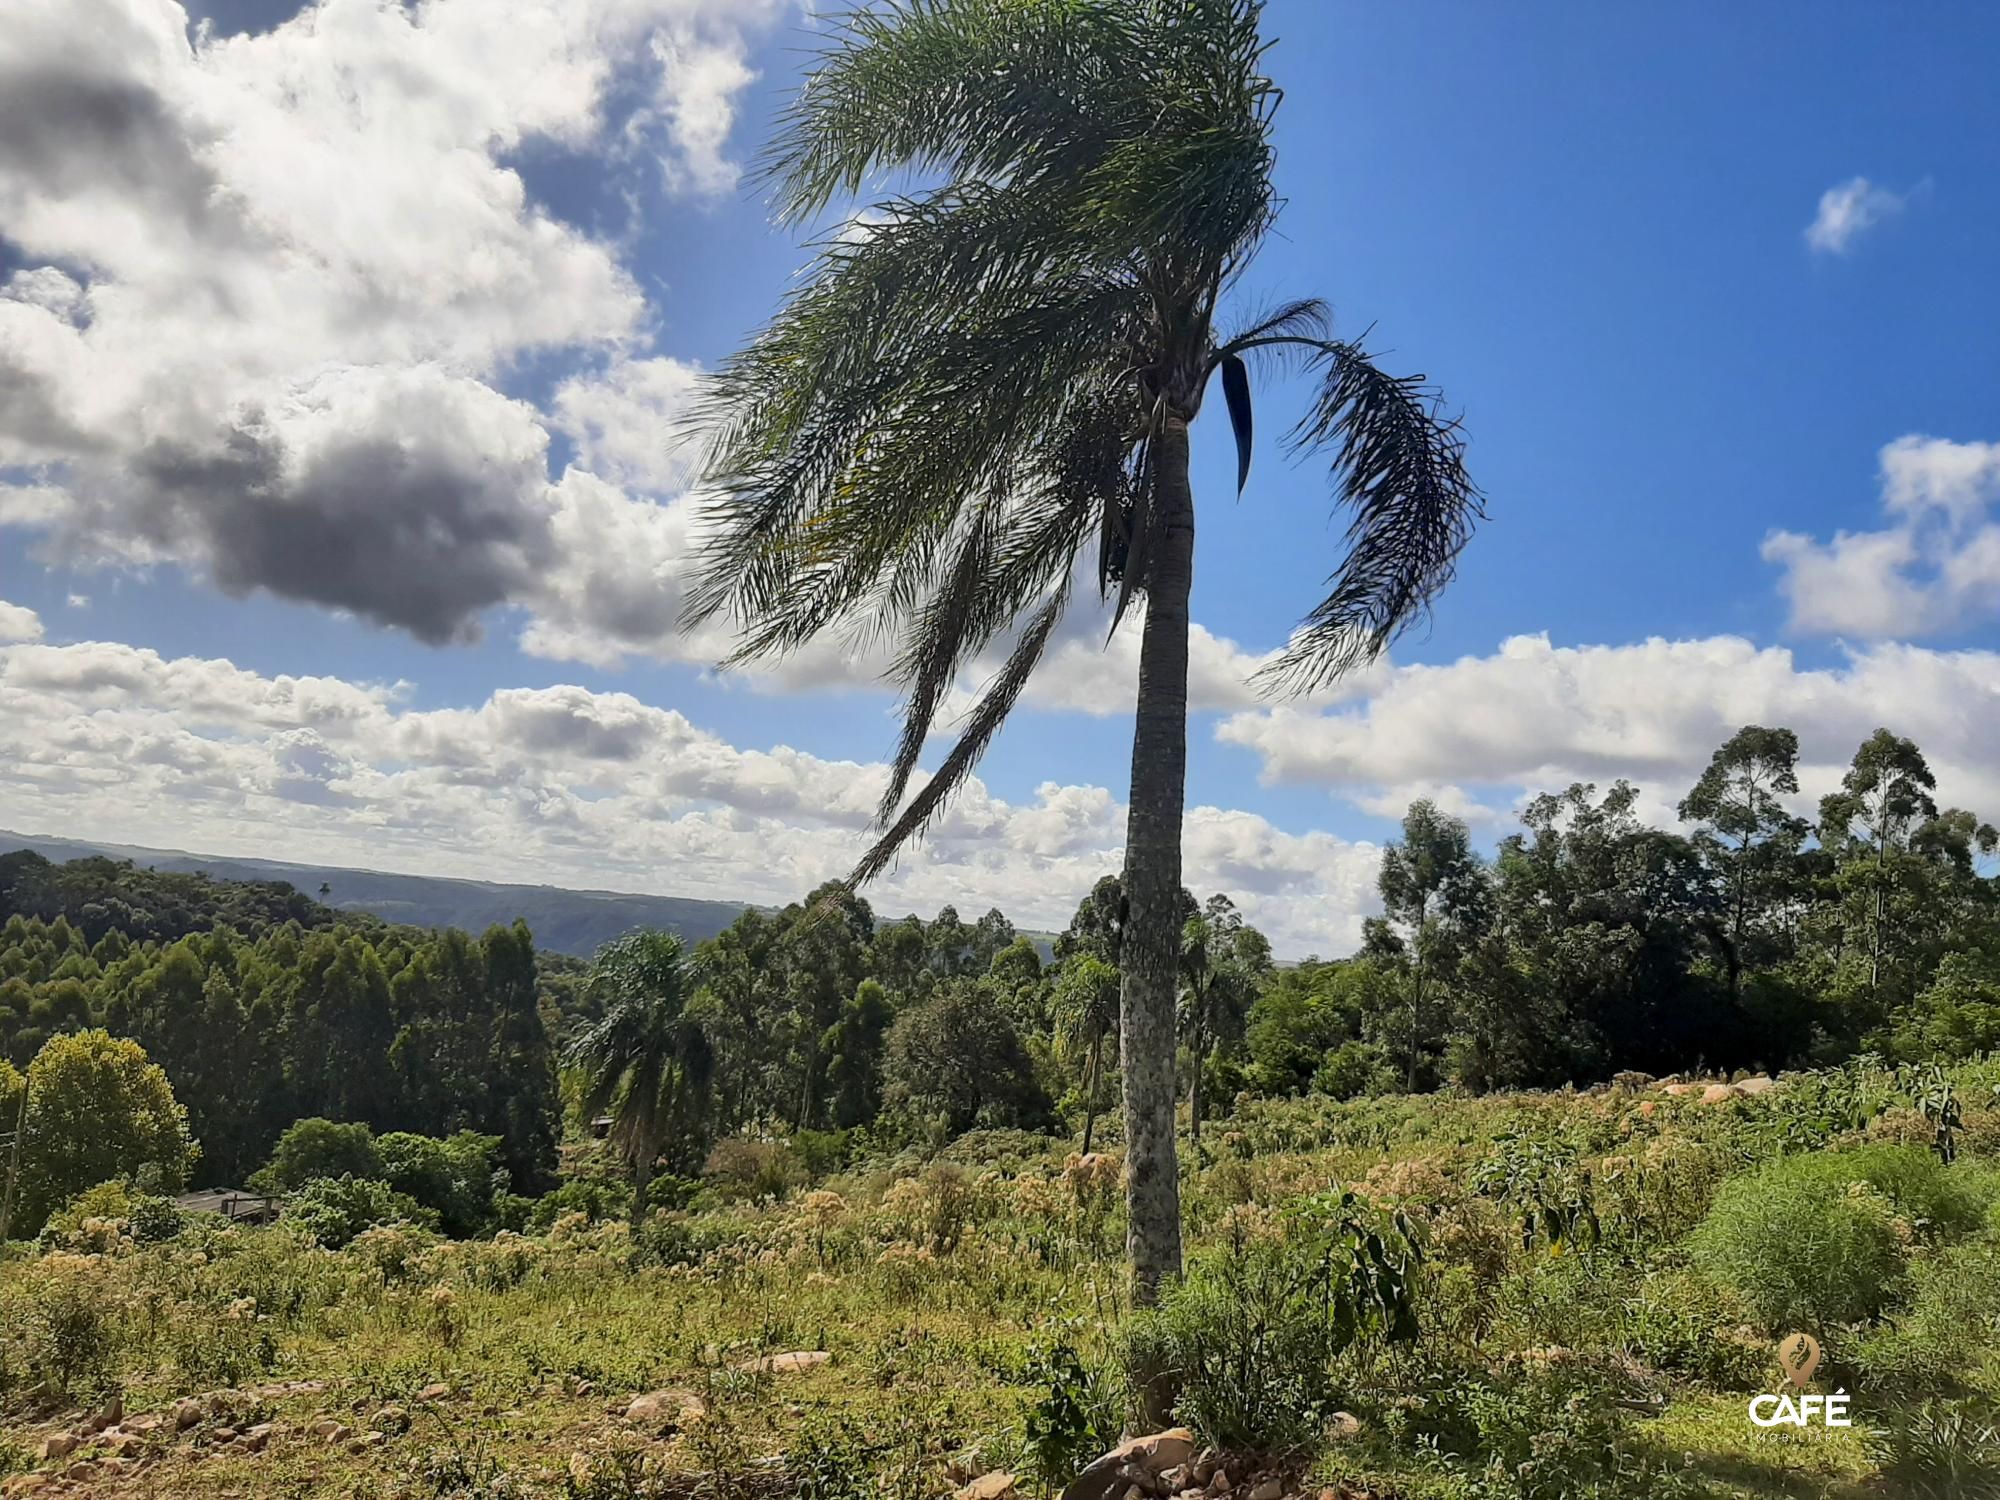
<point x="981" y="725"/>
<point x="1399" y="463"/>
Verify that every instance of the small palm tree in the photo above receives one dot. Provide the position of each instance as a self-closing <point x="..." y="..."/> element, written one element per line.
<point x="1223" y="963"/>
<point x="988" y="381"/>
<point x="1086" y="1017"/>
<point x="645" y="1059"/>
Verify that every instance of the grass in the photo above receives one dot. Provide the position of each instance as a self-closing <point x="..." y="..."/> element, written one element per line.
<point x="935" y="1289"/>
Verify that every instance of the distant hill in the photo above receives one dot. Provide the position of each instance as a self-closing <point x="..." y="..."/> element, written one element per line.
<point x="576" y="922"/>
<point x="564" y="921"/>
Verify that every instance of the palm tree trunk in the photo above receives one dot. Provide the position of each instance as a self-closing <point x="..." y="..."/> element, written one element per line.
<point x="642" y="1179"/>
<point x="1194" y="1103"/>
<point x="1151" y="948"/>
<point x="1090" y="1089"/>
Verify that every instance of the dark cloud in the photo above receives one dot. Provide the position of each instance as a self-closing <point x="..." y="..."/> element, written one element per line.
<point x="63" y="127"/>
<point x="421" y="539"/>
<point x="32" y="415"/>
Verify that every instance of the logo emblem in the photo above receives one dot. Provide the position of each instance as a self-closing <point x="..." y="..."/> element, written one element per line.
<point x="1799" y="1356"/>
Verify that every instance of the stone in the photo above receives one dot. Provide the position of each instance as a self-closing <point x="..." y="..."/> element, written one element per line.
<point x="254" y="1438"/>
<point x="56" y="1445"/>
<point x="152" y="1421"/>
<point x="81" y="1471"/>
<point x="437" y="1390"/>
<point x="1719" y="1093"/>
<point x="187" y="1412"/>
<point x="1135" y="1492"/>
<point x="1153" y="1453"/>
<point x="370" y="1439"/>
<point x="121" y="1443"/>
<point x="1178" y="1478"/>
<point x="987" y="1487"/>
<point x="391" y="1418"/>
<point x="668" y="1408"/>
<point x="1343" y="1426"/>
<point x="112" y="1412"/>
<point x="1271" y="1488"/>
<point x="795" y="1363"/>
<point x="1676" y="1090"/>
<point x="1757" y="1084"/>
<point x="224" y="1434"/>
<point x="1218" y="1482"/>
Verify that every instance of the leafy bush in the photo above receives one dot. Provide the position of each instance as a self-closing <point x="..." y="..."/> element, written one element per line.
<point x="320" y="1148"/>
<point x="333" y="1210"/>
<point x="1804" y="1246"/>
<point x="1249" y="1336"/>
<point x="1942" y="1450"/>
<point x="1072" y="1421"/>
<point x="455" y="1176"/>
<point x="1352" y="1070"/>
<point x="1947" y="1331"/>
<point x="595" y="1199"/>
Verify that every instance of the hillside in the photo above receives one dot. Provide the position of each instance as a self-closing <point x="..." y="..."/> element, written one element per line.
<point x="577" y="922"/>
<point x="563" y="921"/>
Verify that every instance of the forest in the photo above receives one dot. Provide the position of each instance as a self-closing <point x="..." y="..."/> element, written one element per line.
<point x="1588" y="945"/>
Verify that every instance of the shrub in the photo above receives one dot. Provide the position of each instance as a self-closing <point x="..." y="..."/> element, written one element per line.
<point x="333" y="1210"/>
<point x="1942" y="1450"/>
<point x="1249" y="1336"/>
<point x="1804" y="1246"/>
<point x="315" y="1147"/>
<point x="1352" y="1070"/>
<point x="595" y="1199"/>
<point x="455" y="1176"/>
<point x="1938" y="1341"/>
<point x="1073" y="1420"/>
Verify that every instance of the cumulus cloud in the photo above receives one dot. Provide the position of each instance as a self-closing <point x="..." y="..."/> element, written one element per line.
<point x="270" y="283"/>
<point x="1849" y="210"/>
<point x="18" y="623"/>
<point x="571" y="786"/>
<point x="1480" y="733"/>
<point x="1933" y="568"/>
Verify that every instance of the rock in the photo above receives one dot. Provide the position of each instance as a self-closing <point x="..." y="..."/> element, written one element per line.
<point x="120" y="1443"/>
<point x="80" y="1472"/>
<point x="1719" y="1093"/>
<point x="254" y="1438"/>
<point x="1135" y="1492"/>
<point x="1271" y="1488"/>
<point x="112" y="1412"/>
<point x="1676" y="1090"/>
<point x="152" y="1421"/>
<point x="1154" y="1454"/>
<point x="1758" y="1083"/>
<point x="1178" y="1478"/>
<point x="391" y="1419"/>
<point x="437" y="1390"/>
<point x="370" y="1439"/>
<point x="56" y="1445"/>
<point x="187" y="1412"/>
<point x="1218" y="1482"/>
<point x="795" y="1363"/>
<point x="1343" y="1426"/>
<point x="668" y="1408"/>
<point x="987" y="1487"/>
<point x="224" y="1434"/>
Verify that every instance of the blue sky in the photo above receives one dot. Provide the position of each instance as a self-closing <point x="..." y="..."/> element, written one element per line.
<point x="1588" y="224"/>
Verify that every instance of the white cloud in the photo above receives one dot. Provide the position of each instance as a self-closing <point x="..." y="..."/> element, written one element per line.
<point x="1480" y="733"/>
<point x="1847" y="211"/>
<point x="1934" y="568"/>
<point x="574" y="787"/>
<point x="18" y="623"/>
<point x="260" y="267"/>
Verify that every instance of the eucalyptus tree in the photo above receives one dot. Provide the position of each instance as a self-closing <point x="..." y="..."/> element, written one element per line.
<point x="1431" y="883"/>
<point x="646" y="1058"/>
<point x="982" y="388"/>
<point x="1224" y="961"/>
<point x="1738" y="811"/>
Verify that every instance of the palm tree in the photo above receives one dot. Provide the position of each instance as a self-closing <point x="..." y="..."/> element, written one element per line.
<point x="988" y="378"/>
<point x="1223" y="960"/>
<point x="1087" y="1015"/>
<point x="645" y="1059"/>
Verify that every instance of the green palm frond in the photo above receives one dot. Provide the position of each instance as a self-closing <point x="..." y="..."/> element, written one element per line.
<point x="962" y="395"/>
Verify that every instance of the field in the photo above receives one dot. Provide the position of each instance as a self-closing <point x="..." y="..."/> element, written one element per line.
<point x="1593" y="1314"/>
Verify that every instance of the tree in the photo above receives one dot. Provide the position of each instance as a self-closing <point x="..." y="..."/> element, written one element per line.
<point x="97" y="1110"/>
<point x="958" y="1059"/>
<point x="1868" y="826"/>
<point x="1087" y="1015"/>
<point x="1741" y="821"/>
<point x="321" y="1148"/>
<point x="853" y="1051"/>
<point x="1223" y="961"/>
<point x="999" y="374"/>
<point x="1431" y="885"/>
<point x="646" y="1059"/>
